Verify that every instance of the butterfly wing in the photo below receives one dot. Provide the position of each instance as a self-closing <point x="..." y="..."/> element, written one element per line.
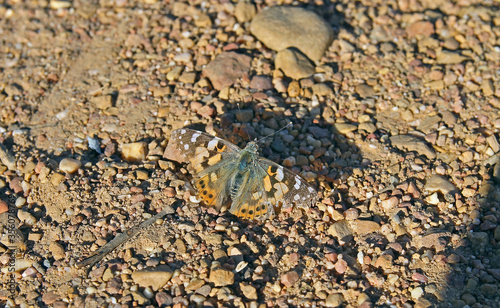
<point x="211" y="161"/>
<point x="271" y="188"/>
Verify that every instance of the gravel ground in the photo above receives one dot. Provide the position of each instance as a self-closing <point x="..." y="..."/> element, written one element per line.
<point x="395" y="112"/>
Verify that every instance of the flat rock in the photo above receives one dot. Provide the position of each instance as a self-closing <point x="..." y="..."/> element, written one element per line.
<point x="227" y="68"/>
<point x="362" y="227"/>
<point x="155" y="277"/>
<point x="281" y="27"/>
<point x="412" y="143"/>
<point x="221" y="277"/>
<point x="294" y="63"/>
<point x="439" y="183"/>
<point x="340" y="229"/>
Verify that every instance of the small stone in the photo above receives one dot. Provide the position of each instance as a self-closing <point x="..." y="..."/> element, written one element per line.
<point x="187" y="77"/>
<point x="294" y="64"/>
<point x="439" y="183"/>
<point x="345" y="128"/>
<point x="289" y="162"/>
<point x="26" y="217"/>
<point x="57" y="251"/>
<point x="203" y="21"/>
<point x="261" y="83"/>
<point x="389" y="204"/>
<point x="362" y="227"/>
<point x="281" y="27"/>
<point x="412" y="143"/>
<point x="489" y="290"/>
<point x="321" y="89"/>
<point x="174" y="74"/>
<point x="334" y="300"/>
<point x="221" y="277"/>
<point x="290" y="278"/>
<point x="248" y="291"/>
<point x="102" y="102"/>
<point x="163" y="299"/>
<point x="417" y="292"/>
<point x="195" y="284"/>
<point x="57" y="178"/>
<point x="134" y="152"/>
<point x="449" y="57"/>
<point x="364" y="90"/>
<point x="340" y="230"/>
<point x="487" y="87"/>
<point x="69" y="165"/>
<point x="423" y="28"/>
<point x="244" y="115"/>
<point x="293" y="89"/>
<point x="3" y="207"/>
<point x="155" y="277"/>
<point x="227" y="68"/>
<point x="244" y="11"/>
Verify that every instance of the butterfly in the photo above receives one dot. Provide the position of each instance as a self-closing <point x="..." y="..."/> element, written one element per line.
<point x="223" y="172"/>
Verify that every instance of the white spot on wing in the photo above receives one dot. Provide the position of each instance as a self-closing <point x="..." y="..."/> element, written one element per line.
<point x="186" y="146"/>
<point x="279" y="174"/>
<point x="311" y="190"/>
<point x="296" y="197"/>
<point x="297" y="182"/>
<point x="183" y="131"/>
<point x="195" y="136"/>
<point x="212" y="144"/>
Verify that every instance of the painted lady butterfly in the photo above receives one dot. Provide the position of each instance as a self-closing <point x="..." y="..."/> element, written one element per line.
<point x="256" y="186"/>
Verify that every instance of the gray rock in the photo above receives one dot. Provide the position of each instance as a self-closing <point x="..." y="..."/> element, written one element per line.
<point x="281" y="27"/>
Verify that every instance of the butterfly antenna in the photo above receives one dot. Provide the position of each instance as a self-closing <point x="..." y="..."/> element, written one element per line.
<point x="289" y="124"/>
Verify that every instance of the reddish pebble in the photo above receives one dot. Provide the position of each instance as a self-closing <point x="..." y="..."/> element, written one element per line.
<point x="419" y="277"/>
<point x="290" y="278"/>
<point x="138" y="198"/>
<point x="3" y="207"/>
<point x="15" y="185"/>
<point x="341" y="266"/>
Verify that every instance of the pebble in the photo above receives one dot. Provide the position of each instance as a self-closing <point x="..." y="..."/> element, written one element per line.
<point x="3" y="207"/>
<point x="69" y="165"/>
<point x="334" y="300"/>
<point x="449" y="57"/>
<point x="155" y="277"/>
<point x="221" y="277"/>
<point x="227" y="68"/>
<point x="248" y="291"/>
<point x="364" y="90"/>
<point x="321" y="89"/>
<point x="57" y="251"/>
<point x="244" y="11"/>
<point x="102" y="102"/>
<point x="280" y="27"/>
<point x="261" y="83"/>
<point x="289" y="279"/>
<point x="362" y="227"/>
<point x="26" y="217"/>
<point x="294" y="64"/>
<point x="340" y="229"/>
<point x="134" y="152"/>
<point x="412" y="143"/>
<point x="422" y="28"/>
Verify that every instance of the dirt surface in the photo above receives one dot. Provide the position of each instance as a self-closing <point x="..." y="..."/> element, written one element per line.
<point x="396" y="126"/>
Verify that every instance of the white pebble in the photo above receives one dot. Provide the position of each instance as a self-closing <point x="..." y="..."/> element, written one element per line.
<point x="20" y="202"/>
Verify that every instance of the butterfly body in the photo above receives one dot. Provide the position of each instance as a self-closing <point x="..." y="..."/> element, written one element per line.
<point x="256" y="187"/>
